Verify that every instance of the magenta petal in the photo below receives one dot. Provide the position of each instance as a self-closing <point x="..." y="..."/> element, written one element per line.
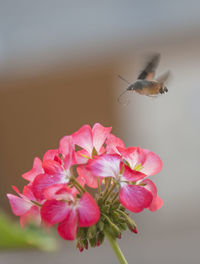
<point x="135" y="198"/>
<point x="132" y="175"/>
<point x="33" y="215"/>
<point x="90" y="179"/>
<point x="100" y="133"/>
<point x="18" y="205"/>
<point x="106" y="165"/>
<point x="67" y="229"/>
<point x="42" y="181"/>
<point x="54" y="211"/>
<point x="52" y="167"/>
<point x="83" y="138"/>
<point x="152" y="164"/>
<point x="37" y="169"/>
<point x="88" y="211"/>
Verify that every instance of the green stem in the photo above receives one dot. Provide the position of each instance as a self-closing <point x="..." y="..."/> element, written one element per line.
<point x="109" y="191"/>
<point x="77" y="184"/>
<point x="115" y="248"/>
<point x="107" y="185"/>
<point x="99" y="186"/>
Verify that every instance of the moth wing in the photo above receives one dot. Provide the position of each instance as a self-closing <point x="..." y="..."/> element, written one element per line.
<point x="164" y="77"/>
<point x="148" y="72"/>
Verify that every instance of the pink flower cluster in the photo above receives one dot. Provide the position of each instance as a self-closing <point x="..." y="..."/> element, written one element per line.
<point x="56" y="192"/>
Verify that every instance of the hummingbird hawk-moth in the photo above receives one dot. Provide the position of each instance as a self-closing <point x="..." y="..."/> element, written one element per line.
<point x="146" y="84"/>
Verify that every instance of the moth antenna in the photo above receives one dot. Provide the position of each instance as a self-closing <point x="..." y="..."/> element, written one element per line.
<point x="123" y="79"/>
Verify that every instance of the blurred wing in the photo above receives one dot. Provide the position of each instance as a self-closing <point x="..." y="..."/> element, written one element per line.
<point x="149" y="71"/>
<point x="125" y="97"/>
<point x="164" y="77"/>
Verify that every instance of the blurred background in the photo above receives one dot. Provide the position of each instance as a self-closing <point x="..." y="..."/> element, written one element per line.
<point x="59" y="62"/>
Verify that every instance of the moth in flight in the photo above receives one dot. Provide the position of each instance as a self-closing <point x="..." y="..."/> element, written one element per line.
<point x="146" y="84"/>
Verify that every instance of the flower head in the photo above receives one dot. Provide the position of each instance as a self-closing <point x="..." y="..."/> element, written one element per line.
<point x="56" y="192"/>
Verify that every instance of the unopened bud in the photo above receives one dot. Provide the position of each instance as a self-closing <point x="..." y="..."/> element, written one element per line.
<point x="100" y="238"/>
<point x="91" y="231"/>
<point x="85" y="242"/>
<point x="100" y="225"/>
<point x="80" y="247"/>
<point x="134" y="230"/>
<point x="93" y="241"/>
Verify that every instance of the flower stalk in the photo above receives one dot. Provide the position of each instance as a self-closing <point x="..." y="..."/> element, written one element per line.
<point x="113" y="243"/>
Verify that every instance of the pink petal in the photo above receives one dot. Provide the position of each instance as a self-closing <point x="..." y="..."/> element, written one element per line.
<point x="150" y="186"/>
<point x="32" y="215"/>
<point x="112" y="142"/>
<point x="90" y="179"/>
<point x="66" y="145"/>
<point x="131" y="155"/>
<point x="52" y="167"/>
<point x="67" y="162"/>
<point x="17" y="191"/>
<point x="27" y="192"/>
<point x="152" y="164"/>
<point x="42" y="181"/>
<point x="54" y="211"/>
<point x="67" y="229"/>
<point x="83" y="138"/>
<point x="156" y="204"/>
<point x="37" y="169"/>
<point x="106" y="165"/>
<point x="135" y="198"/>
<point x="132" y="175"/>
<point x="100" y="133"/>
<point x="18" y="205"/>
<point x="88" y="211"/>
<point x="82" y="156"/>
<point x="51" y="154"/>
<point x="58" y="192"/>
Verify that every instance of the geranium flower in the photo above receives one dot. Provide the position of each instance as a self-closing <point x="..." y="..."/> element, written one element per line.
<point x="133" y="194"/>
<point x="56" y="165"/>
<point x="56" y="193"/>
<point x="69" y="212"/>
<point x="25" y="206"/>
<point x="91" y="140"/>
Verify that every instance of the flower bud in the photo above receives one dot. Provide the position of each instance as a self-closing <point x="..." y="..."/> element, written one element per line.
<point x="93" y="241"/>
<point x="91" y="231"/>
<point x="100" y="238"/>
<point x="100" y="225"/>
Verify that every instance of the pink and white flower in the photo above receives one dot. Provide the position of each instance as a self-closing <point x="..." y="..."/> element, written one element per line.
<point x="24" y="206"/>
<point x="68" y="211"/>
<point x="133" y="194"/>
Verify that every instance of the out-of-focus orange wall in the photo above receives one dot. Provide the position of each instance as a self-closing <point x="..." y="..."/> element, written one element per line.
<point x="35" y="112"/>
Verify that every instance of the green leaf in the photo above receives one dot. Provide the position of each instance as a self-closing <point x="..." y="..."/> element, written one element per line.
<point x="13" y="236"/>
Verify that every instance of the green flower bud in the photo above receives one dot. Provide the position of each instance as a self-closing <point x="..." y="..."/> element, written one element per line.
<point x="91" y="231"/>
<point x="100" y="225"/>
